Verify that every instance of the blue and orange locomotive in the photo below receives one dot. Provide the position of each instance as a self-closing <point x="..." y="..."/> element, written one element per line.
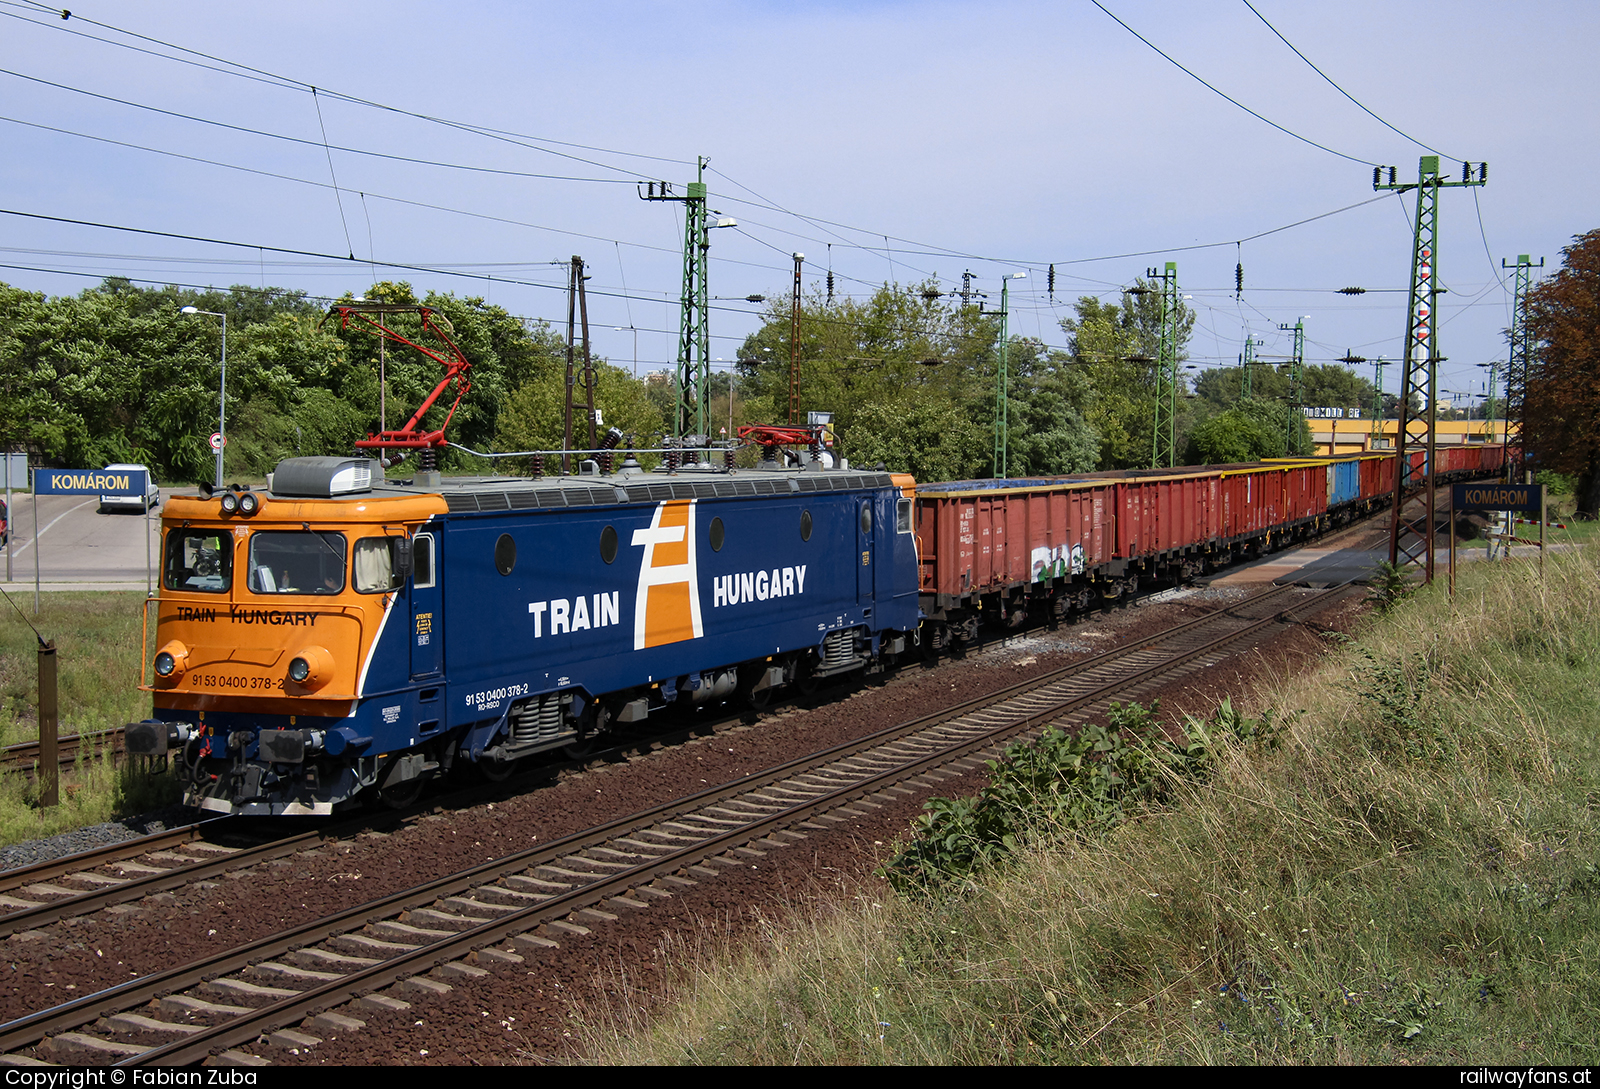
<point x="340" y="634"/>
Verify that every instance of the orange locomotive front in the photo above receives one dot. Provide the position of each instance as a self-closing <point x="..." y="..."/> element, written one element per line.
<point x="270" y="612"/>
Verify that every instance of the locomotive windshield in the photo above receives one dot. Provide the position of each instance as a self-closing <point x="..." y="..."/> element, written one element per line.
<point x="199" y="559"/>
<point x="296" y="563"/>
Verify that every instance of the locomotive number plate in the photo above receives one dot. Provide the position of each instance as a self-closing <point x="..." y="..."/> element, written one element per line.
<point x="235" y="681"/>
<point x="490" y="699"/>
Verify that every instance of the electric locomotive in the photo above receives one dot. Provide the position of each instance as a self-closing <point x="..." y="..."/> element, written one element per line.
<point x="341" y="635"/>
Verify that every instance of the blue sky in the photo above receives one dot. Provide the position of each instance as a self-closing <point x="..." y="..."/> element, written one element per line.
<point x="993" y="138"/>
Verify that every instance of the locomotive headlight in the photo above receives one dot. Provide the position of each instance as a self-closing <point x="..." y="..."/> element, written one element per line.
<point x="311" y="668"/>
<point x="249" y="503"/>
<point x="230" y="503"/>
<point x="171" y="660"/>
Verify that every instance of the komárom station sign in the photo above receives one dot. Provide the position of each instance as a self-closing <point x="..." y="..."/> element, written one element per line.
<point x="89" y="482"/>
<point x="1523" y="497"/>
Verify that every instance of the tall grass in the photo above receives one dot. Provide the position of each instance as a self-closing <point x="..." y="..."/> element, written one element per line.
<point x="1410" y="875"/>
<point x="98" y="659"/>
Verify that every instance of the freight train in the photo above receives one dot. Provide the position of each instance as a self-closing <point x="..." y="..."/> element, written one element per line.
<point x="342" y="636"/>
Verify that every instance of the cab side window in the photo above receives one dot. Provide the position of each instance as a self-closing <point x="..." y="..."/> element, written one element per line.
<point x="422" y="560"/>
<point x="375" y="567"/>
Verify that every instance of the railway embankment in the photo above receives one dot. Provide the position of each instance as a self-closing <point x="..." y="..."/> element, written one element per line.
<point x="1403" y="870"/>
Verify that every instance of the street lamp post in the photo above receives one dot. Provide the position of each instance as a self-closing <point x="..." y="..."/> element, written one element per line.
<point x="222" y="393"/>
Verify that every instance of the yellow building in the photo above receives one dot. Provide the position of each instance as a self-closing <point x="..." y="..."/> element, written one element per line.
<point x="1352" y="436"/>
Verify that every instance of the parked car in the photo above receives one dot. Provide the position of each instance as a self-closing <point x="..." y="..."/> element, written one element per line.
<point x="5" y="526"/>
<point x="151" y="497"/>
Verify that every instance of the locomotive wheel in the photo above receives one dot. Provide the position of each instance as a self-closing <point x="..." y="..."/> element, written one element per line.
<point x="404" y="795"/>
<point x="590" y="731"/>
<point x="749" y="674"/>
<point x="581" y="748"/>
<point x="495" y="771"/>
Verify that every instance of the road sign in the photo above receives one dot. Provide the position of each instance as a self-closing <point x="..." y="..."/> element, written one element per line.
<point x="217" y="441"/>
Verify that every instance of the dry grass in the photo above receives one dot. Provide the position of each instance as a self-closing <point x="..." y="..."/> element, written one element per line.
<point x="1409" y="877"/>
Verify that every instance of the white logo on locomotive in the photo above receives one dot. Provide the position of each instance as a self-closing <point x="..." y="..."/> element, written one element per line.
<point x="667" y="609"/>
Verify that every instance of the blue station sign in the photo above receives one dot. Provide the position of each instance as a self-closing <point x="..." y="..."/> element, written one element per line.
<point x="89" y="482"/>
<point x="1523" y="497"/>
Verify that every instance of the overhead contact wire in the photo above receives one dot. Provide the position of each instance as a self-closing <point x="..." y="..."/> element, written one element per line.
<point x="1340" y="89"/>
<point x="1230" y="98"/>
<point x="289" y="82"/>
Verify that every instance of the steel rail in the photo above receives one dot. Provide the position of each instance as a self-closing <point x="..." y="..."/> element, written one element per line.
<point x="100" y="856"/>
<point x="136" y="888"/>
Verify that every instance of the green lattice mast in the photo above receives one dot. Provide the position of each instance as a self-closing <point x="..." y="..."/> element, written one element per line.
<point x="1164" y="439"/>
<point x="1297" y="395"/>
<point x="1411" y="526"/>
<point x="1248" y="360"/>
<point x="1517" y="359"/>
<point x="691" y="411"/>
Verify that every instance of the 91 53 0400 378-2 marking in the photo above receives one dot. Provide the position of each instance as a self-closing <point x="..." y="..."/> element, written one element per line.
<point x="491" y="698"/>
<point x="235" y="680"/>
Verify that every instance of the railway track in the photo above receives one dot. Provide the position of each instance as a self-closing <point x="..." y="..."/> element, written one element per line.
<point x="316" y="978"/>
<point x="24" y="756"/>
<point x="119" y="873"/>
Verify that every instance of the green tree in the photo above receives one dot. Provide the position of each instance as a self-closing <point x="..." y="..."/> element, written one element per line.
<point x="1117" y="344"/>
<point x="1235" y="435"/>
<point x="29" y="415"/>
<point x="905" y="366"/>
<point x="1331" y="385"/>
<point x="534" y="414"/>
<point x="1049" y="433"/>
<point x="930" y="439"/>
<point x="122" y="382"/>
